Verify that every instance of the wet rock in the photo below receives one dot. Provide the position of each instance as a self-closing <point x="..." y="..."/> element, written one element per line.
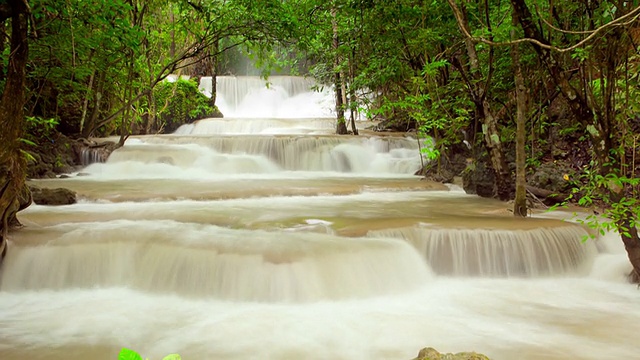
<point x="479" y="179"/>
<point x="551" y="176"/>
<point x="58" y="196"/>
<point x="166" y="160"/>
<point x="451" y="165"/>
<point x="52" y="155"/>
<point x="433" y="354"/>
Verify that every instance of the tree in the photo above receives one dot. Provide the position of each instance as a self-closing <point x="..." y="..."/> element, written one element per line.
<point x="12" y="160"/>
<point x="479" y="87"/>
<point x="520" y="202"/>
<point x="95" y="63"/>
<point x="601" y="82"/>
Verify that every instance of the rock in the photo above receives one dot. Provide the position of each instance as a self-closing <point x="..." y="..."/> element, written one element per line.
<point x="546" y="196"/>
<point x="479" y="179"/>
<point x="433" y="354"/>
<point x="166" y="160"/>
<point x="59" y="196"/>
<point x="451" y="165"/>
<point x="52" y="155"/>
<point x="551" y="176"/>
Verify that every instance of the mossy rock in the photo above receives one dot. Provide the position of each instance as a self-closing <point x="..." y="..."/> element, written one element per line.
<point x="180" y="102"/>
<point x="433" y="354"/>
<point x="58" y="196"/>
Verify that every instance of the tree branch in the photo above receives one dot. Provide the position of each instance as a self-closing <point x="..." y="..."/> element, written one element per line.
<point x="624" y="20"/>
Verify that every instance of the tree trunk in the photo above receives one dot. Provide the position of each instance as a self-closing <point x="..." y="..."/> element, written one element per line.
<point x="520" y="203"/>
<point x="12" y="161"/>
<point x="341" y="126"/>
<point x="352" y="92"/>
<point x="214" y="72"/>
<point x="478" y="89"/>
<point x="631" y="242"/>
<point x="96" y="108"/>
<point x="601" y="121"/>
<point x="503" y="181"/>
<point x="3" y="36"/>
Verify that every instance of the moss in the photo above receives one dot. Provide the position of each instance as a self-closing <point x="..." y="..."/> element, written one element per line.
<point x="180" y="102"/>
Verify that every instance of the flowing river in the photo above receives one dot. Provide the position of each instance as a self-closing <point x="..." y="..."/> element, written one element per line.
<point x="262" y="236"/>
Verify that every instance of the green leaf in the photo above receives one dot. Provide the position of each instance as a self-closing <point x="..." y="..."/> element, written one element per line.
<point x="128" y="354"/>
<point x="172" y="357"/>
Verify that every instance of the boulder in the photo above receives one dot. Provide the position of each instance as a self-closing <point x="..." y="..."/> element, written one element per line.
<point x="450" y="165"/>
<point x="552" y="177"/>
<point x="59" y="196"/>
<point x="52" y="155"/>
<point x="479" y="179"/>
<point x="433" y="354"/>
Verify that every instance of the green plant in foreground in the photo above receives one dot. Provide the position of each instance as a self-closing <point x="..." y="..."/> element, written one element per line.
<point x="128" y="354"/>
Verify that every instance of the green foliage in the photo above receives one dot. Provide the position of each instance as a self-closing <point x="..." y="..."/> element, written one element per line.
<point x="38" y="128"/>
<point x="617" y="197"/>
<point x="180" y="102"/>
<point x="92" y="62"/>
<point x="430" y="150"/>
<point x="128" y="354"/>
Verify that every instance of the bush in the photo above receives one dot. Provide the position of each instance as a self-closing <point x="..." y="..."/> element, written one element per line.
<point x="178" y="103"/>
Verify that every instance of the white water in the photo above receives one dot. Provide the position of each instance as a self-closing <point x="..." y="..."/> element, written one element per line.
<point x="211" y="157"/>
<point x="277" y="97"/>
<point x="301" y="247"/>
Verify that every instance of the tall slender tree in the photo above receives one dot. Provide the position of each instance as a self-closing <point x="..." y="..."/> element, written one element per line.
<point x="520" y="202"/>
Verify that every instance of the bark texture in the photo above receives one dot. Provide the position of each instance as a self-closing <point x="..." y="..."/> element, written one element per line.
<point x="520" y="203"/>
<point x="12" y="162"/>
<point x="341" y="125"/>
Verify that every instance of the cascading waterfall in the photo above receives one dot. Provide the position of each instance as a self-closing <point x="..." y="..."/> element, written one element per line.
<point x="260" y="233"/>
<point x="277" y="97"/>
<point x="92" y="155"/>
<point x="543" y="251"/>
<point x="233" y="155"/>
<point x="207" y="262"/>
<point x="278" y="126"/>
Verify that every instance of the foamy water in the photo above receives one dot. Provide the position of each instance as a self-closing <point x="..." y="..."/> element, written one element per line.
<point x="506" y="319"/>
<point x="300" y="247"/>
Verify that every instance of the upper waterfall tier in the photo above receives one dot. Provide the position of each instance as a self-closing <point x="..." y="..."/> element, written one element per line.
<point x="277" y="97"/>
<point x="235" y="126"/>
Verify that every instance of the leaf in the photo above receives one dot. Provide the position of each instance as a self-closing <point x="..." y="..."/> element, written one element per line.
<point x="172" y="357"/>
<point x="128" y="354"/>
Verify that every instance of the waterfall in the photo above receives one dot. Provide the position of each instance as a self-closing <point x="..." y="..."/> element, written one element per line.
<point x="208" y="156"/>
<point x="534" y="252"/>
<point x="276" y="97"/>
<point x="206" y="261"/>
<point x="92" y="155"/>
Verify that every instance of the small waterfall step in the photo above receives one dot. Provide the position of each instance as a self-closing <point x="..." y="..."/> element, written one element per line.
<point x="509" y="248"/>
<point x="205" y="261"/>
